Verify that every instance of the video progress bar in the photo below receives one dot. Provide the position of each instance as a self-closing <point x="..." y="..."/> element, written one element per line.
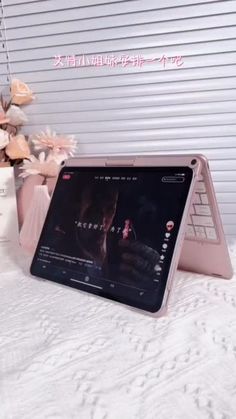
<point x="86" y="283"/>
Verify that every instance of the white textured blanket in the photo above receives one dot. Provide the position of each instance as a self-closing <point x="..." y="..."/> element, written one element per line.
<point x="67" y="355"/>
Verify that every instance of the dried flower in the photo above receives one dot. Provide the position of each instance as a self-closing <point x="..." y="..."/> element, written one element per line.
<point x="40" y="166"/>
<point x="3" y="118"/>
<point x="20" y="93"/>
<point x="18" y="148"/>
<point x="16" y="116"/>
<point x="59" y="146"/>
<point x="4" y="139"/>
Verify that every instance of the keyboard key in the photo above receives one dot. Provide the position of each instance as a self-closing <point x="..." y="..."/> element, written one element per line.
<point x="202" y="209"/>
<point x="189" y="221"/>
<point x="200" y="187"/>
<point x="204" y="199"/>
<point x="200" y="220"/>
<point x="197" y="199"/>
<point x="200" y="232"/>
<point x="211" y="233"/>
<point x="192" y="210"/>
<point x="199" y="229"/>
<point x="200" y="223"/>
<point x="190" y="231"/>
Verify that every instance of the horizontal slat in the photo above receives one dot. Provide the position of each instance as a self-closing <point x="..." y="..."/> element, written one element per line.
<point x="228" y="208"/>
<point x="108" y="136"/>
<point x="84" y="38"/>
<point x="89" y="26"/>
<point x="104" y="18"/>
<point x="117" y="6"/>
<point x="228" y="186"/>
<point x="163" y="101"/>
<point x="163" y="145"/>
<point x="80" y="3"/>
<point x="159" y="146"/>
<point x="56" y="12"/>
<point x="147" y="123"/>
<point x="222" y="165"/>
<point x="228" y="219"/>
<point x="164" y="80"/>
<point x="224" y="176"/>
<point x="198" y="62"/>
<point x="212" y="154"/>
<point x="230" y="230"/>
<point x="136" y="113"/>
<point x="161" y="89"/>
<point x="120" y="48"/>
<point x="226" y="197"/>
<point x="3" y="69"/>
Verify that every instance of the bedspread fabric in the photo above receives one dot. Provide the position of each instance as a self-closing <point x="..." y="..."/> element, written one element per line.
<point x="67" y="355"/>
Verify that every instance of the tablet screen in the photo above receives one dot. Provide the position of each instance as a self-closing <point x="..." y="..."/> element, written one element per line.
<point x="112" y="231"/>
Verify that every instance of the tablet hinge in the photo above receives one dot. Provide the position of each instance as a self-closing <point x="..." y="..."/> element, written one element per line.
<point x="120" y="162"/>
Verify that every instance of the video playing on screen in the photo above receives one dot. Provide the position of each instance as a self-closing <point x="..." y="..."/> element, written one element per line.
<point x="112" y="231"/>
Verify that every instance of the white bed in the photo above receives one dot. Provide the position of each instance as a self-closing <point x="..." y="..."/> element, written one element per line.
<point x="67" y="355"/>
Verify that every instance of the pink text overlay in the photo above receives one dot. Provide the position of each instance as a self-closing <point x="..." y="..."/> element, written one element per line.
<point x="165" y="61"/>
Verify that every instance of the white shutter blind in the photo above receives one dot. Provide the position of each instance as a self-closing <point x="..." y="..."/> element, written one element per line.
<point x="123" y="109"/>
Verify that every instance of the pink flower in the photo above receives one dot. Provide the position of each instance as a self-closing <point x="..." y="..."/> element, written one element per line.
<point x="40" y="166"/>
<point x="17" y="148"/>
<point x="60" y="147"/>
<point x="20" y="93"/>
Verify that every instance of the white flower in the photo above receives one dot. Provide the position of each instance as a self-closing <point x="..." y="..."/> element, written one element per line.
<point x="57" y="144"/>
<point x="41" y="166"/>
<point x="16" y="116"/>
<point x="58" y="158"/>
<point x="4" y="139"/>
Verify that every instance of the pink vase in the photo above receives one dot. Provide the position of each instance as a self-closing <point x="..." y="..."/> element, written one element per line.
<point x="34" y="219"/>
<point x="25" y="193"/>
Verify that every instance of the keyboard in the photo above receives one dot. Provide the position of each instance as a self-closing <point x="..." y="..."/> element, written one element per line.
<point x="200" y="224"/>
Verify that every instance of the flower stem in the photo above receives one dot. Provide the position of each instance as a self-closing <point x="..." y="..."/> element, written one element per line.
<point x="44" y="180"/>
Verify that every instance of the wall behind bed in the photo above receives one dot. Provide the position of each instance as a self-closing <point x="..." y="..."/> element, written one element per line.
<point x="132" y="76"/>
